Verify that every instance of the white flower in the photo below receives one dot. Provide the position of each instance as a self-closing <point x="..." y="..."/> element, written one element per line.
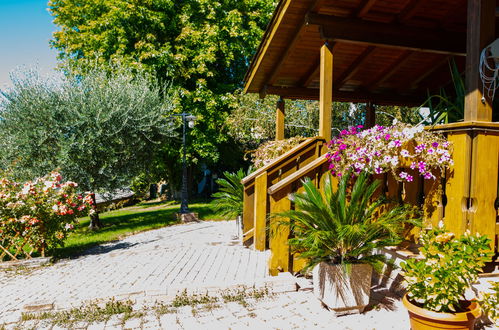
<point x="55" y="208"/>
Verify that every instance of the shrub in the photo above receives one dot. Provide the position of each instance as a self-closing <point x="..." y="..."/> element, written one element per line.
<point x="450" y="266"/>
<point x="39" y="214"/>
<point x="271" y="150"/>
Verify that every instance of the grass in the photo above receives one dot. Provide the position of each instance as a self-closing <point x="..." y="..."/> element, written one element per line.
<point x="123" y="222"/>
<point x="124" y="310"/>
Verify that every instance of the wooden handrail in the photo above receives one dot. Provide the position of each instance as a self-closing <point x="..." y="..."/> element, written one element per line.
<point x="281" y="158"/>
<point x="298" y="174"/>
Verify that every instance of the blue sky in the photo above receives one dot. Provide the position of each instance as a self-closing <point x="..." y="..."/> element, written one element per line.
<point x="25" y="30"/>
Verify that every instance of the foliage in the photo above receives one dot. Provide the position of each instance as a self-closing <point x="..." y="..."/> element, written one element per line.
<point x="271" y="150"/>
<point x="489" y="302"/>
<point x="228" y="200"/>
<point x="444" y="107"/>
<point x="202" y="48"/>
<point x="99" y="129"/>
<point x="344" y="226"/>
<point x="39" y="214"/>
<point x="387" y="149"/>
<point x="449" y="267"/>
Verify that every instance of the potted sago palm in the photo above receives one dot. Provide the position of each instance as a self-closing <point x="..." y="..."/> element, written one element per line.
<point x="438" y="284"/>
<point x="337" y="231"/>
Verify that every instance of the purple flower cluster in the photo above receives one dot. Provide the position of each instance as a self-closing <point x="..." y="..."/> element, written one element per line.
<point x="389" y="149"/>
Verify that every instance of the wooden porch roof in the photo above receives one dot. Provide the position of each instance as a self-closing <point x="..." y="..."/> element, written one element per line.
<point x="385" y="51"/>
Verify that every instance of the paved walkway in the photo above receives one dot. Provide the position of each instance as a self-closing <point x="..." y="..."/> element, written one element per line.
<point x="157" y="265"/>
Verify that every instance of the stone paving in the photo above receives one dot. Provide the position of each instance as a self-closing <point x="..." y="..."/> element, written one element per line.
<point x="157" y="265"/>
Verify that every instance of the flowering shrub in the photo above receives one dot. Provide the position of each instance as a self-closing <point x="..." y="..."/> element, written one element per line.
<point x="38" y="214"/>
<point x="387" y="149"/>
<point x="269" y="151"/>
<point x="449" y="267"/>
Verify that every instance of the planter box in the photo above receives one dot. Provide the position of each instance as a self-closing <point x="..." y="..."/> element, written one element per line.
<point x="343" y="293"/>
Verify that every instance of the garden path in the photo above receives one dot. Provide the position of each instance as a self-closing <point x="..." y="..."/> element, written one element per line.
<point x="156" y="265"/>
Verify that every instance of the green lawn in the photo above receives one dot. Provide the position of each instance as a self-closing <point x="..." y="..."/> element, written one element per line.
<point x="120" y="223"/>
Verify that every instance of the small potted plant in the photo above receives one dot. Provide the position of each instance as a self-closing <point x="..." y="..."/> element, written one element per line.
<point x="337" y="231"/>
<point x="489" y="302"/>
<point x="438" y="284"/>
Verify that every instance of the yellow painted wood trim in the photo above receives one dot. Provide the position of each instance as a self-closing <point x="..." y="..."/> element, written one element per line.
<point x="260" y="207"/>
<point x="325" y="91"/>
<point x="483" y="125"/>
<point x="298" y="174"/>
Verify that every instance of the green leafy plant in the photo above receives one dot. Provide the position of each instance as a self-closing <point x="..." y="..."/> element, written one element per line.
<point x="444" y="107"/>
<point x="449" y="267"/>
<point x="229" y="199"/>
<point x="490" y="303"/>
<point x="345" y="226"/>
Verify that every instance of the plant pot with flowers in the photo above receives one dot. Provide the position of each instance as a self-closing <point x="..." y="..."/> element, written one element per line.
<point x="337" y="232"/>
<point x="438" y="285"/>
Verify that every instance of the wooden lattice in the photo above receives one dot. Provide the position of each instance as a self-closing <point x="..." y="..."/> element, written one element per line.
<point x="15" y="248"/>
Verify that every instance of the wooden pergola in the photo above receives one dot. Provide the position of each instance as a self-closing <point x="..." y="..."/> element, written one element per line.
<point x="389" y="52"/>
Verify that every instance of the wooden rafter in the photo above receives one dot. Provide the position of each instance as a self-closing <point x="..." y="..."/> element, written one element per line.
<point x="410" y="9"/>
<point x="286" y="54"/>
<point x="360" y="96"/>
<point x="306" y="80"/>
<point x="427" y="72"/>
<point x="389" y="71"/>
<point x="354" y="67"/>
<point x="365" y="7"/>
<point x="353" y="30"/>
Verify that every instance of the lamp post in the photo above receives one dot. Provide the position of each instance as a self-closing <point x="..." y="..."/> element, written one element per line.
<point x="187" y="119"/>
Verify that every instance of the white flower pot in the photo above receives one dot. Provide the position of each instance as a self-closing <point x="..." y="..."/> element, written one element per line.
<point x="343" y="293"/>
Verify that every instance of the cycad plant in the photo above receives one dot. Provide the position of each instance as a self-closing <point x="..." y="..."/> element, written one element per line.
<point x="345" y="226"/>
<point x="228" y="200"/>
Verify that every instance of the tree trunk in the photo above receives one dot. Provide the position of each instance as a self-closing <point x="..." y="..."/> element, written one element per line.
<point x="95" y="222"/>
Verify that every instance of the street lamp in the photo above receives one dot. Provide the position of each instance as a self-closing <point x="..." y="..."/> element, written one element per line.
<point x="187" y="119"/>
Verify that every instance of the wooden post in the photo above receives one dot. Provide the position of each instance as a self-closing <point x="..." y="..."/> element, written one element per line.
<point x="326" y="91"/>
<point x="260" y="209"/>
<point x="370" y="115"/>
<point x="480" y="33"/>
<point x="279" y="120"/>
<point x="279" y="233"/>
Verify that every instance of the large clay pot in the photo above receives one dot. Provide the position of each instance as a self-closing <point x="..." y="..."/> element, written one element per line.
<point x="342" y="292"/>
<point x="423" y="319"/>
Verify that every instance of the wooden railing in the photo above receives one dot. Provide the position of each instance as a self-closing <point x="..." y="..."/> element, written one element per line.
<point x="256" y="200"/>
<point x="465" y="197"/>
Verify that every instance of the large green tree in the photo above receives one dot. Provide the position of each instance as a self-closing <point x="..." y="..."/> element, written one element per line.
<point x="202" y="47"/>
<point x="99" y="129"/>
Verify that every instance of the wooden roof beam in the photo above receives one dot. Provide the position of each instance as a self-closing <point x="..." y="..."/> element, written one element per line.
<point x="286" y="54"/>
<point x="343" y="96"/>
<point x="390" y="71"/>
<point x="410" y="9"/>
<point x="307" y="79"/>
<point x="427" y="72"/>
<point x="354" y="67"/>
<point x="391" y="35"/>
<point x="365" y="7"/>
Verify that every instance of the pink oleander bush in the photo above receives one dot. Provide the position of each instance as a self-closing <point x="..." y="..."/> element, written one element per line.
<point x="39" y="214"/>
<point x="389" y="149"/>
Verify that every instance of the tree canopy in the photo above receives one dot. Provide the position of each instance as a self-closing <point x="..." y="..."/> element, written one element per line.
<point x="202" y="47"/>
<point x="99" y="129"/>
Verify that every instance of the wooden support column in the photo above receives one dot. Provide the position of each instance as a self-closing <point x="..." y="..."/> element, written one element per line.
<point x="279" y="233"/>
<point x="326" y="92"/>
<point x="279" y="120"/>
<point x="370" y="115"/>
<point x="260" y="212"/>
<point x="480" y="33"/>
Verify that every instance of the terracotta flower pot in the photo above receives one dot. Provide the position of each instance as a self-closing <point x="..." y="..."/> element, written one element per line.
<point x="343" y="293"/>
<point x="423" y="319"/>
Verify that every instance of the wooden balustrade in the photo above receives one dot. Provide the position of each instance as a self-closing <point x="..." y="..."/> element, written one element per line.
<point x="256" y="203"/>
<point x="465" y="197"/>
